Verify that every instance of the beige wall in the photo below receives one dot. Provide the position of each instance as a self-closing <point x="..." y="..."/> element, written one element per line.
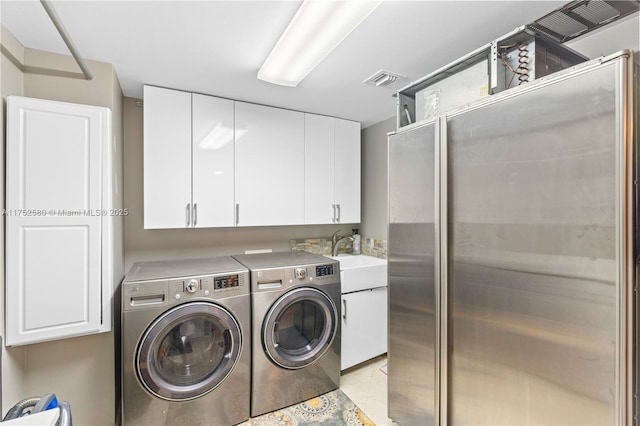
<point x="141" y="244"/>
<point x="80" y="370"/>
<point x="374" y="179"/>
<point x="11" y="83"/>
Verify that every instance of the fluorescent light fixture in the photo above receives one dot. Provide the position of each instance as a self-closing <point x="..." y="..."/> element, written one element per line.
<point x="316" y="29"/>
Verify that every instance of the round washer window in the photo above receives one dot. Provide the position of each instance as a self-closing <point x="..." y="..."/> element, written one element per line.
<point x="299" y="328"/>
<point x="188" y="351"/>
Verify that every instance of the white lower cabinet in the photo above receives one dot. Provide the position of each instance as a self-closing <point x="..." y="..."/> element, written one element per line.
<point x="364" y="326"/>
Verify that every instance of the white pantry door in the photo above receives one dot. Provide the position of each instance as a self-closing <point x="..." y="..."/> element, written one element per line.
<point x="53" y="219"/>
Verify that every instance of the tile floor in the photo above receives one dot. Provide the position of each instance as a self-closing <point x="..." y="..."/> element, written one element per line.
<point x="366" y="385"/>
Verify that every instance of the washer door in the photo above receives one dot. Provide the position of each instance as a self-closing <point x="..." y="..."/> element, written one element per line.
<point x="299" y="328"/>
<point x="188" y="351"/>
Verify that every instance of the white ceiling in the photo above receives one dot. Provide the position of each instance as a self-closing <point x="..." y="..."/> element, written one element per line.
<point x="217" y="47"/>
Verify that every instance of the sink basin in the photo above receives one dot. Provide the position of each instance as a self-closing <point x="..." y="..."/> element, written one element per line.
<point x="361" y="272"/>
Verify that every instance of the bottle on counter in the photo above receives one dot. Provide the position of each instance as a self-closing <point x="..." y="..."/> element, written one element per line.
<point x="356" y="242"/>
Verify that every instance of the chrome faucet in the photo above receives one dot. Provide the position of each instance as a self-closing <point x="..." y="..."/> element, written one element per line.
<point x="335" y="240"/>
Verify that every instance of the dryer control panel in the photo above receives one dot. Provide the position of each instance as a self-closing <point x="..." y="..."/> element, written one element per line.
<point x="226" y="282"/>
<point x="154" y="293"/>
<point x="209" y="286"/>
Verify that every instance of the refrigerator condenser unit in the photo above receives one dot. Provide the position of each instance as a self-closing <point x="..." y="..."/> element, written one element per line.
<point x="523" y="55"/>
<point x="510" y="61"/>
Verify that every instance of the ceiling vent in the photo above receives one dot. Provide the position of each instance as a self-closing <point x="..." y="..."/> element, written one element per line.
<point x="580" y="17"/>
<point x="383" y="78"/>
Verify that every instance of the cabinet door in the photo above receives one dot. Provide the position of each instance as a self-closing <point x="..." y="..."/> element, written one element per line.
<point x="318" y="169"/>
<point x="212" y="168"/>
<point x="269" y="167"/>
<point x="167" y="158"/>
<point x="364" y="326"/>
<point x="347" y="170"/>
<point x="54" y="285"/>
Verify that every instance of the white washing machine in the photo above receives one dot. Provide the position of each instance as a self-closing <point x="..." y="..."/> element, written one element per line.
<point x="295" y="326"/>
<point x="186" y="345"/>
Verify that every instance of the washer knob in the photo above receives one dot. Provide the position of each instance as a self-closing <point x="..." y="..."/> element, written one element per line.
<point x="192" y="286"/>
<point x="301" y="273"/>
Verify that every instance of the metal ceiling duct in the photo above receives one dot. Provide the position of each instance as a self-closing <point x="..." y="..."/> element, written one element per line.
<point x="580" y="17"/>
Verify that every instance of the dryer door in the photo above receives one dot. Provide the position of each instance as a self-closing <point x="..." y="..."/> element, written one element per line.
<point x="299" y="327"/>
<point x="188" y="351"/>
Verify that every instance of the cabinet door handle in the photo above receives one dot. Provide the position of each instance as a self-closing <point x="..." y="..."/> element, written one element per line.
<point x="334" y="213"/>
<point x="188" y="214"/>
<point x="195" y="214"/>
<point x="338" y="220"/>
<point x="237" y="214"/>
<point x="344" y="309"/>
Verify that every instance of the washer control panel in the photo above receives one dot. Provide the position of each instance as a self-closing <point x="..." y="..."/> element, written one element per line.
<point x="320" y="274"/>
<point x="324" y="270"/>
<point x="276" y="279"/>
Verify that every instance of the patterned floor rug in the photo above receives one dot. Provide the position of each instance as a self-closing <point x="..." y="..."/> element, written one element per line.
<point x="331" y="409"/>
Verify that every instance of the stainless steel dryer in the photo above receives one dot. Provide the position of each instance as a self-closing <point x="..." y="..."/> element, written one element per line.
<point x="186" y="347"/>
<point x="296" y="328"/>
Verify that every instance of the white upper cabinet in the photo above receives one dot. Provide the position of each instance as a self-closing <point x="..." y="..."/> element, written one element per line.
<point x="269" y="166"/>
<point x="213" y="162"/>
<point x="59" y="263"/>
<point x="188" y="160"/>
<point x="319" y="169"/>
<point x="167" y="158"/>
<point x="347" y="170"/>
<point x="332" y="170"/>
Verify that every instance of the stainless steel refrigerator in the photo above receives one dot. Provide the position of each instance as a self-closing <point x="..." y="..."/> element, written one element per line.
<point x="511" y="256"/>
